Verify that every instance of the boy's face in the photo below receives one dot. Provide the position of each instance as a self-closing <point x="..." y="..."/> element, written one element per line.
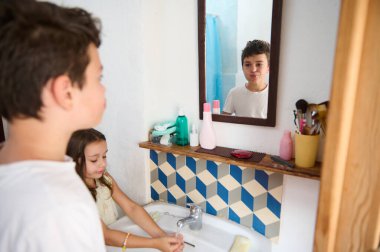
<point x="96" y="159"/>
<point x="90" y="100"/>
<point x="256" y="68"/>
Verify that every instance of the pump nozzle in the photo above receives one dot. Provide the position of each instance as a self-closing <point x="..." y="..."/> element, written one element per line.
<point x="194" y="129"/>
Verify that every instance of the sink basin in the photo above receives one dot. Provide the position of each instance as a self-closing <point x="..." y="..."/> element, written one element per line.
<point x="216" y="235"/>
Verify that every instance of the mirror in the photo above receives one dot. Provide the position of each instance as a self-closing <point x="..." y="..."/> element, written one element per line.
<point x="229" y="27"/>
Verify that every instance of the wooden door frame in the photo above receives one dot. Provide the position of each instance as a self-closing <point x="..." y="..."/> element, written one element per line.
<point x="348" y="216"/>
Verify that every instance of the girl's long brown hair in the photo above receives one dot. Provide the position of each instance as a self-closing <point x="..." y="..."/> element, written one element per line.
<point x="75" y="149"/>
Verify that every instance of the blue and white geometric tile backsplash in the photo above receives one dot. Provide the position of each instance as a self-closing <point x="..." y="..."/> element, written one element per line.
<point x="247" y="196"/>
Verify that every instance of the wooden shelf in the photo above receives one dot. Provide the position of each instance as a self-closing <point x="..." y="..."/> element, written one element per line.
<point x="265" y="164"/>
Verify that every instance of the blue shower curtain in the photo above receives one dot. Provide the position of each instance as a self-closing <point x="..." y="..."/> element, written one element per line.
<point x="213" y="61"/>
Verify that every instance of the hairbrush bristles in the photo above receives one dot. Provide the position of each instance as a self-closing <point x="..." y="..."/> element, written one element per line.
<point x="302" y="105"/>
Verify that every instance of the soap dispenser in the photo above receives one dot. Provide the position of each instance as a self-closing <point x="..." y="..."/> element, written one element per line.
<point x="182" y="131"/>
<point x="207" y="137"/>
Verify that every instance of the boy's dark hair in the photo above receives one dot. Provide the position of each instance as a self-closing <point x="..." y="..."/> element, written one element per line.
<point x="75" y="149"/>
<point x="255" y="47"/>
<point x="40" y="41"/>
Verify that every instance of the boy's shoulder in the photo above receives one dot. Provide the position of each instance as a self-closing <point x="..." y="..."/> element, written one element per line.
<point x="238" y="90"/>
<point x="41" y="180"/>
<point x="37" y="194"/>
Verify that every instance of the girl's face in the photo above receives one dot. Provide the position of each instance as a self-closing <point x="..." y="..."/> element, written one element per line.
<point x="96" y="159"/>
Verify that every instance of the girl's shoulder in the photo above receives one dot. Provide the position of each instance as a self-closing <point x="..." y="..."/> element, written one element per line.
<point x="107" y="177"/>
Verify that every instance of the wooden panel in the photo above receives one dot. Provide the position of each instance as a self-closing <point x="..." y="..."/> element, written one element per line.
<point x="266" y="164"/>
<point x="361" y="191"/>
<point x="349" y="205"/>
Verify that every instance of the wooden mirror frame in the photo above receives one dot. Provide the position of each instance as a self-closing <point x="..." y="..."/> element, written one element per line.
<point x="270" y="121"/>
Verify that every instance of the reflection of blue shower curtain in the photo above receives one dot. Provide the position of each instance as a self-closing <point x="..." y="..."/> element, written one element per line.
<point x="213" y="62"/>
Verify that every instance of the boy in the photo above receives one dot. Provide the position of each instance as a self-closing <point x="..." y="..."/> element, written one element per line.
<point x="49" y="87"/>
<point x="251" y="100"/>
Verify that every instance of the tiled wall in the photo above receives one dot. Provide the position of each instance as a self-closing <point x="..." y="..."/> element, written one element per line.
<point x="247" y="196"/>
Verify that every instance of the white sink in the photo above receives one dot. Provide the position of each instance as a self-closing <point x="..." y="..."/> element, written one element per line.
<point x="216" y="234"/>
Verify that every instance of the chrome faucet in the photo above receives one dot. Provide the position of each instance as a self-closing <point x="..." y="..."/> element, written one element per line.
<point x="194" y="220"/>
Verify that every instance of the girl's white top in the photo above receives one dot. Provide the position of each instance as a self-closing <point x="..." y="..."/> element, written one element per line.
<point x="106" y="205"/>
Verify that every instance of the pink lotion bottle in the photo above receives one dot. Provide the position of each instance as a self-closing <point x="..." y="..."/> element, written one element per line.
<point x="207" y="137"/>
<point x="286" y="146"/>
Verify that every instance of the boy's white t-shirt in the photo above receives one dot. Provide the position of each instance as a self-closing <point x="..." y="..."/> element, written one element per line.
<point x="45" y="206"/>
<point x="243" y="102"/>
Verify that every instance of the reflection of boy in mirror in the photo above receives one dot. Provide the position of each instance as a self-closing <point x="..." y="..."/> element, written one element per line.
<point x="251" y="100"/>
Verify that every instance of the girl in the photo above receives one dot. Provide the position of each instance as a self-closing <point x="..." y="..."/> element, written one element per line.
<point x="88" y="148"/>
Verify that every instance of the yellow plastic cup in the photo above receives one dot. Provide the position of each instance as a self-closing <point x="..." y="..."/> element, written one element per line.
<point x="306" y="149"/>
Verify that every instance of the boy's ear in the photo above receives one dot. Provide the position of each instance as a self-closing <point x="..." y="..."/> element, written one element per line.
<point x="62" y="91"/>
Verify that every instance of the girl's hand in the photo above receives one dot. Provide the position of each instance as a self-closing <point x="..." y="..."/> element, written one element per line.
<point x="180" y="238"/>
<point x="170" y="243"/>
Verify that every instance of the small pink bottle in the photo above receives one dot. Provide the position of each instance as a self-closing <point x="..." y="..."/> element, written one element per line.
<point x="207" y="137"/>
<point x="216" y="107"/>
<point x="286" y="146"/>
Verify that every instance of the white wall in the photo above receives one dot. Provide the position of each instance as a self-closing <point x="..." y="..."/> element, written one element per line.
<point x="5" y="127"/>
<point x="307" y="52"/>
<point x="123" y="123"/>
<point x="306" y="64"/>
<point x="150" y="53"/>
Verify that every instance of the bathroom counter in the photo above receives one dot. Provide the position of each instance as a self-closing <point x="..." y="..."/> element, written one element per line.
<point x="265" y="164"/>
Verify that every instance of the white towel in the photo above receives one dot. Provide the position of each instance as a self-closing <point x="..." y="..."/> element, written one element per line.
<point x="241" y="244"/>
